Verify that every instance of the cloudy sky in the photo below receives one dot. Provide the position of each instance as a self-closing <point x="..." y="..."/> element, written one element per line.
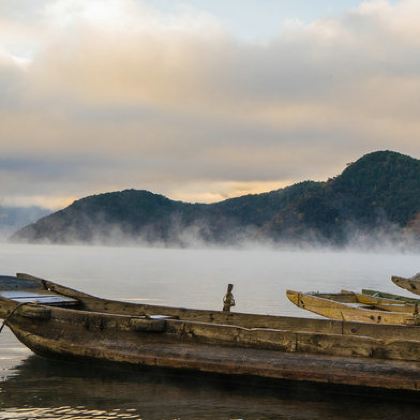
<point x="201" y="99"/>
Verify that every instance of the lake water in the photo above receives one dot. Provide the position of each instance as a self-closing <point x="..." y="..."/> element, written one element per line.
<point x="34" y="388"/>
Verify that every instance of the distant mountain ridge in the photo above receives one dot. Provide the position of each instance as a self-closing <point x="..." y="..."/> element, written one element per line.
<point x="12" y="218"/>
<point x="378" y="192"/>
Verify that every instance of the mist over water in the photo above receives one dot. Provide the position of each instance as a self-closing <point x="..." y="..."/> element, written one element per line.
<point x="384" y="236"/>
<point x="38" y="389"/>
<point x="197" y="278"/>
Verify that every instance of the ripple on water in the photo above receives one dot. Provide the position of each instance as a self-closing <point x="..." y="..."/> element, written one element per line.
<point x="67" y="413"/>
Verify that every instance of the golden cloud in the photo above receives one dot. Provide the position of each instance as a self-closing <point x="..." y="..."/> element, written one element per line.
<point x="176" y="104"/>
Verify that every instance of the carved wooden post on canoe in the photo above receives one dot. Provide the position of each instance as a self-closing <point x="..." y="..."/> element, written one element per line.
<point x="228" y="300"/>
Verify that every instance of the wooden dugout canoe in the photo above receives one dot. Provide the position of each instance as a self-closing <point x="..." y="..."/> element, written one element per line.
<point x="412" y="284"/>
<point x="389" y="296"/>
<point x="382" y="303"/>
<point x="345" y="307"/>
<point x="57" y="321"/>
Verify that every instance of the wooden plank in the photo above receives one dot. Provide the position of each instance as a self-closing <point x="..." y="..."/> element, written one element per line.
<point x="407" y="308"/>
<point x="343" y="297"/>
<point x="45" y="297"/>
<point x="51" y="286"/>
<point x="11" y="283"/>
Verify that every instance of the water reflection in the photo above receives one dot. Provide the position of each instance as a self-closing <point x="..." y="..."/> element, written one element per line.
<point x="45" y="389"/>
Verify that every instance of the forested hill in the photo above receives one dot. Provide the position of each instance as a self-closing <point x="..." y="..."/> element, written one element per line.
<point x="378" y="193"/>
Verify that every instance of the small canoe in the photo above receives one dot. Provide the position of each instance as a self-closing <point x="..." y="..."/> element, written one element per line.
<point x="346" y="307"/>
<point x="56" y="321"/>
<point x="369" y="299"/>
<point x="412" y="284"/>
<point x="389" y="296"/>
<point x="384" y="304"/>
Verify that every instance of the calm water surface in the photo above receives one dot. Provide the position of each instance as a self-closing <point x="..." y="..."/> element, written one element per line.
<point x="34" y="388"/>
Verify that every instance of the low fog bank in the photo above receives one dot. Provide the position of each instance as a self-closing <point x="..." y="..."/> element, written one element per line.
<point x="387" y="238"/>
<point x="5" y="235"/>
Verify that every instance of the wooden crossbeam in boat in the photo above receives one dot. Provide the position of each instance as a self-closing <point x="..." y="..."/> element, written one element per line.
<point x="44" y="298"/>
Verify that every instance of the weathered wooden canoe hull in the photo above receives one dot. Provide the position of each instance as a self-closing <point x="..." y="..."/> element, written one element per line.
<point x="344" y="357"/>
<point x="146" y="350"/>
<point x="67" y="328"/>
<point x="304" y="349"/>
